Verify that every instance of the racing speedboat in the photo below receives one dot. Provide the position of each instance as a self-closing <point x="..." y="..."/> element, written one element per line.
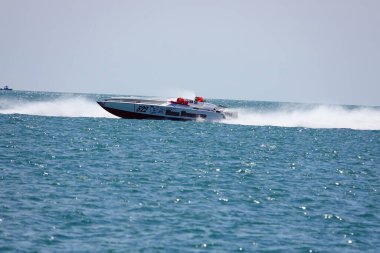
<point x="179" y="109"/>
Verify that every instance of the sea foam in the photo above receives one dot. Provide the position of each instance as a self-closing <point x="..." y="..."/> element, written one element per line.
<point x="318" y="116"/>
<point x="59" y="107"/>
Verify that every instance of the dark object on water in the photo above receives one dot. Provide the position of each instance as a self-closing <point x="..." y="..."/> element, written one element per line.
<point x="6" y="88"/>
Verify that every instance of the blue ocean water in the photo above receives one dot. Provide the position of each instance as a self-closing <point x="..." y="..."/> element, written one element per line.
<point x="281" y="178"/>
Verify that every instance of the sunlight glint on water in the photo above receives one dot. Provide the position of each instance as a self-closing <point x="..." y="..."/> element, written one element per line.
<point x="80" y="181"/>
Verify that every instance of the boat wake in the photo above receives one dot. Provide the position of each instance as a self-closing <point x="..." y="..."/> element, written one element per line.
<point x="59" y="107"/>
<point x="320" y="116"/>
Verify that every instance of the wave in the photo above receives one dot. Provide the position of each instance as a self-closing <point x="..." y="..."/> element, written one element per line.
<point x="321" y="116"/>
<point x="59" y="107"/>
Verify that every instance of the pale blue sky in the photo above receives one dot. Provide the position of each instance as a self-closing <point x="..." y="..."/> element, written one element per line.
<point x="285" y="50"/>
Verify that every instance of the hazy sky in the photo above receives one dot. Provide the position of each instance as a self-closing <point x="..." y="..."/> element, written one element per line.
<point x="285" y="50"/>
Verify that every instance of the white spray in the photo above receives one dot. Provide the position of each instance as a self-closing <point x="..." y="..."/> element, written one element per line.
<point x="60" y="107"/>
<point x="321" y="116"/>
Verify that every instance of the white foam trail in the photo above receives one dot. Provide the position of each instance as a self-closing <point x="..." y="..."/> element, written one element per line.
<point x="60" y="107"/>
<point x="361" y="118"/>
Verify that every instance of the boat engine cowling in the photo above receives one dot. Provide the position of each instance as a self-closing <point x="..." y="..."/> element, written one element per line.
<point x="182" y="101"/>
<point x="199" y="99"/>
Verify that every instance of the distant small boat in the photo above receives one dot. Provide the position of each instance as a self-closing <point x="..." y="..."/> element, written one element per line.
<point x="6" y="88"/>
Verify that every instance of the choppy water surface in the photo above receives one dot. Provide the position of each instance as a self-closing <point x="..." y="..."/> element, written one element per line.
<point x="74" y="178"/>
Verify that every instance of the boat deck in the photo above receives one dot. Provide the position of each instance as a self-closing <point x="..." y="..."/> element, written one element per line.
<point x="137" y="101"/>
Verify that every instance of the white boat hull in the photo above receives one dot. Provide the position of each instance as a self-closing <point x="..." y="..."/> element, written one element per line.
<point x="155" y="111"/>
